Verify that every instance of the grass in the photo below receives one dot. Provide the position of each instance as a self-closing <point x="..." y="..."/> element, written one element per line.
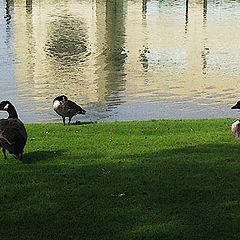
<point x="125" y="180"/>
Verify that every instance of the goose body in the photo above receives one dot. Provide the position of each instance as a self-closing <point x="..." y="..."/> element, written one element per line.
<point x="66" y="108"/>
<point x="236" y="125"/>
<point x="236" y="129"/>
<point x="13" y="135"/>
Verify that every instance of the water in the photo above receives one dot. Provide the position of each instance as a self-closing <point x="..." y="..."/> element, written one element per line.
<point x="121" y="60"/>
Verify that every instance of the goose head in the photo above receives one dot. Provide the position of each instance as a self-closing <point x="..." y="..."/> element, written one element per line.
<point x="7" y="106"/>
<point x="58" y="101"/>
<point x="236" y="106"/>
<point x="61" y="98"/>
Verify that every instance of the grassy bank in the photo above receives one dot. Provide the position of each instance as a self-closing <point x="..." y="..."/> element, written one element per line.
<point x="129" y="180"/>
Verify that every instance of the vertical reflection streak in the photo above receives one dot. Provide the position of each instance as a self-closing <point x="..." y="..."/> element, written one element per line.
<point x="8" y="16"/>
<point x="116" y="53"/>
<point x="7" y="53"/>
<point x="144" y="6"/>
<point x="31" y="48"/>
<point x="29" y="6"/>
<point x="205" y="51"/>
<point x="186" y="17"/>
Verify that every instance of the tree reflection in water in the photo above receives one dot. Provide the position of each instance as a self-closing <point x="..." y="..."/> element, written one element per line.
<point x="67" y="43"/>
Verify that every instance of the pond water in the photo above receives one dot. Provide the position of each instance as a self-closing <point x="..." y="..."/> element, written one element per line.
<point x="119" y="59"/>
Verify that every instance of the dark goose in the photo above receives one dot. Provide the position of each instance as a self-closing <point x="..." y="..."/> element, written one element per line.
<point x="13" y="135"/>
<point x="66" y="108"/>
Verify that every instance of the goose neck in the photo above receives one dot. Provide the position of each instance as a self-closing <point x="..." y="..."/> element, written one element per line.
<point x="12" y="113"/>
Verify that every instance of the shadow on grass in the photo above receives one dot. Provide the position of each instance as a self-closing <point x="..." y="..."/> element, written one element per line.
<point x="185" y="193"/>
<point x="182" y="193"/>
<point x="201" y="153"/>
<point x="83" y="123"/>
<point x="33" y="157"/>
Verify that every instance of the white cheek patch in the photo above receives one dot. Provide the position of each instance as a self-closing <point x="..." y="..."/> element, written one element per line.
<point x="6" y="107"/>
<point x="56" y="104"/>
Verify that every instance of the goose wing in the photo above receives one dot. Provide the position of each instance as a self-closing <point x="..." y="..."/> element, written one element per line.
<point x="73" y="107"/>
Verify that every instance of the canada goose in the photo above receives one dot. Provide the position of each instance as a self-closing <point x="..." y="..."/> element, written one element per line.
<point x="236" y="125"/>
<point x="13" y="135"/>
<point x="236" y="129"/>
<point x="66" y="108"/>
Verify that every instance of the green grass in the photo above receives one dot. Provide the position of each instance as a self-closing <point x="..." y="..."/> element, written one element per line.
<point x="124" y="180"/>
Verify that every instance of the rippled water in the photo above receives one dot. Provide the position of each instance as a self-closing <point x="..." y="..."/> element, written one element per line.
<point x="119" y="59"/>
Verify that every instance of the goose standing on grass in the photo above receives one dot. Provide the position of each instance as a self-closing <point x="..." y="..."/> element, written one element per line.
<point x="66" y="108"/>
<point x="236" y="125"/>
<point x="13" y="135"/>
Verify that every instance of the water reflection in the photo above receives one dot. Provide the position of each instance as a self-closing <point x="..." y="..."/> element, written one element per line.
<point x="205" y="51"/>
<point x="67" y="41"/>
<point x="7" y="54"/>
<point x="143" y="57"/>
<point x="121" y="59"/>
<point x="8" y="8"/>
<point x="8" y="17"/>
<point x="186" y="16"/>
<point x="116" y="52"/>
<point x="204" y="10"/>
<point x="29" y="6"/>
<point x="113" y="54"/>
<point x="144" y="6"/>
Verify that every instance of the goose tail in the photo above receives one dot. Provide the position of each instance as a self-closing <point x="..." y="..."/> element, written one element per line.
<point x="81" y="111"/>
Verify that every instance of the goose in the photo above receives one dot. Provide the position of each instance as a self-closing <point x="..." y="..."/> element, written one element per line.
<point x="236" y="125"/>
<point x="66" y="108"/>
<point x="13" y="135"/>
<point x="236" y="129"/>
<point x="236" y="106"/>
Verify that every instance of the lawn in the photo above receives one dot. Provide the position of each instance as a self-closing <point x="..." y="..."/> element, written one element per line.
<point x="124" y="180"/>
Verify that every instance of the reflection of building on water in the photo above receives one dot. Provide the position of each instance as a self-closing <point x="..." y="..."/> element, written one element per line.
<point x="179" y="44"/>
<point x="115" y="54"/>
<point x="205" y="49"/>
<point x="57" y="51"/>
<point x="52" y="49"/>
<point x="7" y="55"/>
<point x="110" y="33"/>
<point x="116" y="50"/>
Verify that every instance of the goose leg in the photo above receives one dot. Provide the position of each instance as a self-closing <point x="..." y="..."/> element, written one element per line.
<point x="20" y="157"/>
<point x="63" y="120"/>
<point x="69" y="120"/>
<point x="4" y="153"/>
